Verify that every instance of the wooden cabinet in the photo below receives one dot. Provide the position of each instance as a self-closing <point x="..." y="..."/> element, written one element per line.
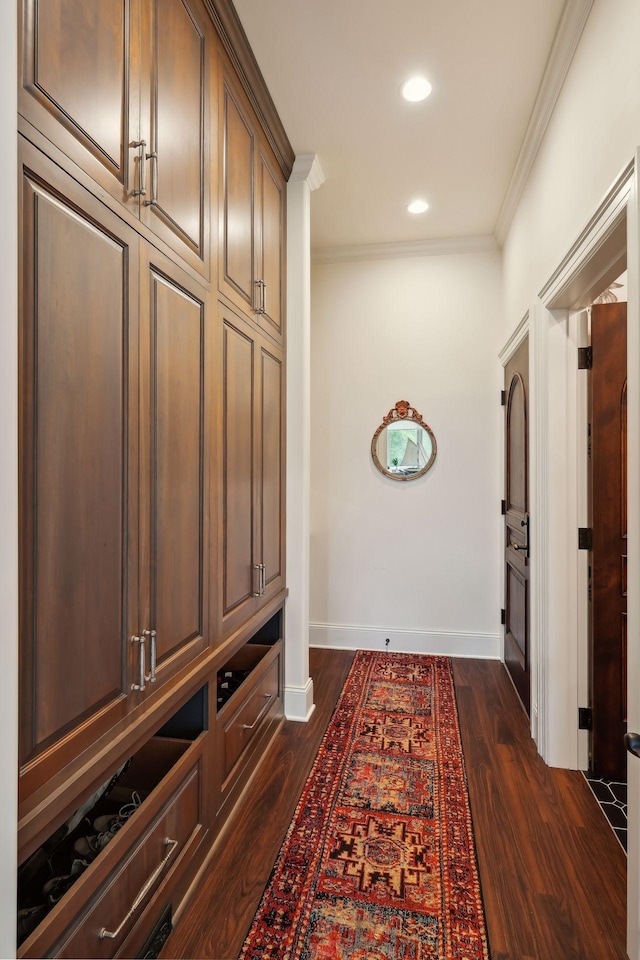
<point x="114" y="471"/>
<point x="124" y="89"/>
<point x="251" y="445"/>
<point x="79" y="468"/>
<point x="252" y="215"/>
<point x="176" y="343"/>
<point x="243" y="718"/>
<point x="151" y="437"/>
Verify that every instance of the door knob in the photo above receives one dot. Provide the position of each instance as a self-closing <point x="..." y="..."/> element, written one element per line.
<point x="632" y="743"/>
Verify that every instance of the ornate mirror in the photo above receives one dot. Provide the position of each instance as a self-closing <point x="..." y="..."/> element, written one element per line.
<point x="403" y="446"/>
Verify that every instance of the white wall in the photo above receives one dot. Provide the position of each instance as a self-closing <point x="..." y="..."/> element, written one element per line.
<point x="592" y="136"/>
<point x="8" y="480"/>
<point x="418" y="562"/>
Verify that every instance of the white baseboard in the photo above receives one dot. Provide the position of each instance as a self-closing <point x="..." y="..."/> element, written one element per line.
<point x="298" y="702"/>
<point x="483" y="646"/>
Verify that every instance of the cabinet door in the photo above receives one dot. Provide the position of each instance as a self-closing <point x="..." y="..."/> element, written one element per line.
<point x="174" y="472"/>
<point x="237" y="169"/>
<point x="270" y="244"/>
<point x="252" y="467"/>
<point x="176" y="96"/>
<point x="271" y="487"/>
<point x="239" y="585"/>
<point x="80" y="85"/>
<point x="78" y="469"/>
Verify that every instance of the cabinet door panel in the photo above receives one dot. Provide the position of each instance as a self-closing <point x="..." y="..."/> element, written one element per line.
<point x="237" y="261"/>
<point x="271" y="246"/>
<point x="174" y="418"/>
<point x="80" y="84"/>
<point x="78" y="322"/>
<point x="237" y="469"/>
<point x="272" y="471"/>
<point x="177" y="101"/>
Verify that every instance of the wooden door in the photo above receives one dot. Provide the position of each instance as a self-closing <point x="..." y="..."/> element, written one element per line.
<point x="80" y="85"/>
<point x="238" y="562"/>
<point x="78" y="468"/>
<point x="271" y="489"/>
<point x="237" y="172"/>
<point x="176" y="95"/>
<point x="270" y="245"/>
<point x="516" y="651"/>
<point x="174" y="470"/>
<point x="609" y="558"/>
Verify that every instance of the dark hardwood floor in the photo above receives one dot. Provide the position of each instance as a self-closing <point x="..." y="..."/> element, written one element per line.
<point x="552" y="872"/>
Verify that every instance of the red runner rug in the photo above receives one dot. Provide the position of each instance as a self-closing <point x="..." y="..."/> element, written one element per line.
<point x="379" y="861"/>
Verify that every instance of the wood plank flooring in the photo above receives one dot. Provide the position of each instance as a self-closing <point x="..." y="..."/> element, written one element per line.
<point x="551" y="869"/>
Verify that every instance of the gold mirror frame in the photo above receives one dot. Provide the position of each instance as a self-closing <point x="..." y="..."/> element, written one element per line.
<point x="403" y="411"/>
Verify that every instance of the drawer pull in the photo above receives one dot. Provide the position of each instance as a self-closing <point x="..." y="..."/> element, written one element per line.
<point x="112" y="935"/>
<point x="250" y="726"/>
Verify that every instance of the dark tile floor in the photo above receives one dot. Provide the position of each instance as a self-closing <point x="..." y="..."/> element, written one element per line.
<point x="612" y="797"/>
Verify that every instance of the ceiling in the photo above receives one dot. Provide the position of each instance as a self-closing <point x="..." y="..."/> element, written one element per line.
<point x="334" y="69"/>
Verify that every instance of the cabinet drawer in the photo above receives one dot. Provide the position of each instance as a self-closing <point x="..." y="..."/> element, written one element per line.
<point x="250" y="717"/>
<point x="122" y="900"/>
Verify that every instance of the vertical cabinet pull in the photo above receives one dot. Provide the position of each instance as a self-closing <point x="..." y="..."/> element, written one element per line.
<point x="261" y="297"/>
<point x="142" y="665"/>
<point x="153" y="156"/>
<point x="261" y="570"/>
<point x="142" y="169"/>
<point x="152" y="655"/>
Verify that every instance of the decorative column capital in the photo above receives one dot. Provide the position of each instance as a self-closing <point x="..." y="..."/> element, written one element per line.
<point x="306" y="168"/>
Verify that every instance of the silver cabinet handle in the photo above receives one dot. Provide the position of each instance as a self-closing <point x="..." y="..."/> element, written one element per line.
<point x="113" y="934"/>
<point x="152" y="655"/>
<point x="142" y="665"/>
<point x="153" y="156"/>
<point x="142" y="191"/>
<point x="264" y="297"/>
<point x="251" y="726"/>
<point x="257" y="568"/>
<point x="258" y="307"/>
<point x="263" y="578"/>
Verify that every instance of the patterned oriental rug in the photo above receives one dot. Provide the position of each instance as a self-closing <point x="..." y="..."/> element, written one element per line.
<point x="379" y="861"/>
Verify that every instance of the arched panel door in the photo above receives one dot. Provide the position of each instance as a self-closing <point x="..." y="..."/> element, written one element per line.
<point x="516" y="551"/>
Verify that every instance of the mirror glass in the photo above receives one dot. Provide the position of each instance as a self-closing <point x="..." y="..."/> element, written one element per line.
<point x="403" y="446"/>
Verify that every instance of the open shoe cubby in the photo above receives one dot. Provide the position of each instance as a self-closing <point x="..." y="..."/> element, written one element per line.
<point x="244" y="661"/>
<point x="50" y="873"/>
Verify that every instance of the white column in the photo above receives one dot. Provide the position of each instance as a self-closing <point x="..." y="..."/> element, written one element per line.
<point x="8" y="479"/>
<point x="306" y="176"/>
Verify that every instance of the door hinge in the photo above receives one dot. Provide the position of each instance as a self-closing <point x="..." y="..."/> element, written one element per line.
<point x="503" y="616"/>
<point x="585" y="538"/>
<point x="585" y="718"/>
<point x="585" y="358"/>
<point x="589" y="441"/>
<point x="503" y="398"/>
<point x="503" y="507"/>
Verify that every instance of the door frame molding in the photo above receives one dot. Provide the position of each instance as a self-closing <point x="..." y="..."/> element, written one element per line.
<point x="558" y="468"/>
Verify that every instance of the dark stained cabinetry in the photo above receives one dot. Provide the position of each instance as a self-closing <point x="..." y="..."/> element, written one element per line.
<point x="123" y="88"/>
<point x="115" y="447"/>
<point x="252" y="457"/>
<point x="151" y="444"/>
<point x="251" y="215"/>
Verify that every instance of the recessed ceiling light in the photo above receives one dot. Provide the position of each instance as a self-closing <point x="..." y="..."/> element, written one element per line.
<point x="418" y="206"/>
<point x="415" y="89"/>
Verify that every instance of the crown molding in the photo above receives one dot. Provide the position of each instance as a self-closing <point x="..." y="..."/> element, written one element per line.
<point x="572" y="22"/>
<point x="235" y="43"/>
<point x="307" y="168"/>
<point x="405" y="249"/>
<point x="518" y="337"/>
